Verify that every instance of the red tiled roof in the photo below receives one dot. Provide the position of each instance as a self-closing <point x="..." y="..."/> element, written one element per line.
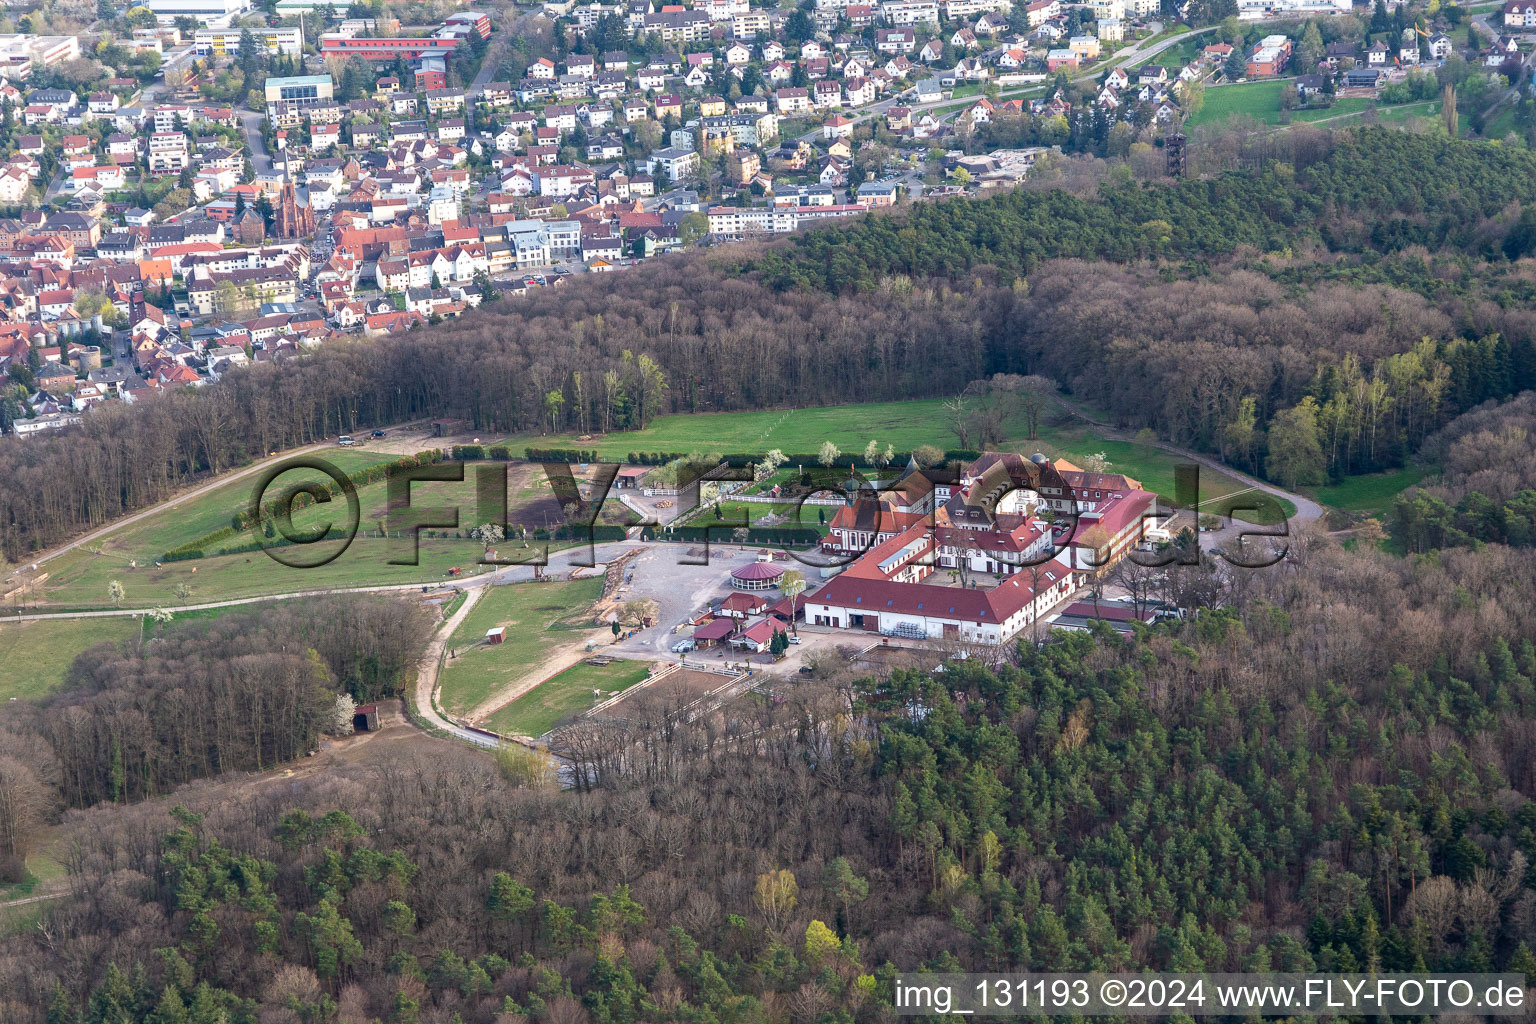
<point x="757" y="571"/>
<point x="715" y="629"/>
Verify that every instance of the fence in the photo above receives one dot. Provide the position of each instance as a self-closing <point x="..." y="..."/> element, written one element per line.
<point x="764" y="499"/>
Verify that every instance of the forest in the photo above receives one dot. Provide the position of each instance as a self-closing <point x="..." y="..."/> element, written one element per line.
<point x="1485" y="488"/>
<point x="1326" y="286"/>
<point x="242" y="692"/>
<point x="1331" y="768"/>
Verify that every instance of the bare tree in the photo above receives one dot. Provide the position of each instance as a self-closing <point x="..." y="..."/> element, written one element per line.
<point x="1139" y="581"/>
<point x="1035" y="394"/>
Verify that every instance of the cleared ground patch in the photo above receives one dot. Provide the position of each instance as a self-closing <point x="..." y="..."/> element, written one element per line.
<point x="571" y="692"/>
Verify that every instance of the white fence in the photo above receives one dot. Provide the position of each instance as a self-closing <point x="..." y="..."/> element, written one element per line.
<point x="764" y="499"/>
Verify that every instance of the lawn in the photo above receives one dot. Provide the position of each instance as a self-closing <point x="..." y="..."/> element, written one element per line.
<point x="83" y="582"/>
<point x="1256" y="99"/>
<point x="1344" y="107"/>
<point x="1261" y="101"/>
<point x="80" y="578"/>
<point x="535" y="614"/>
<point x="541" y="709"/>
<point x="37" y="654"/>
<point x="905" y="425"/>
<point x="1176" y="56"/>
<point x="152" y="536"/>
<point x="1370" y="494"/>
<point x="796" y="516"/>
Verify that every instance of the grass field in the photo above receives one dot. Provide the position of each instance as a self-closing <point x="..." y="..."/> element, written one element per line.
<point x="570" y="692"/>
<point x="1371" y="494"/>
<point x="80" y="577"/>
<point x="1261" y="101"/>
<point x="36" y="654"/>
<point x="535" y="614"/>
<point x="797" y="517"/>
<point x="905" y="425"/>
<point x="82" y="582"/>
<point x="1395" y="115"/>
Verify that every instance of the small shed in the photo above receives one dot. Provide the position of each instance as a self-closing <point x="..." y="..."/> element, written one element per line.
<point x="496" y="634"/>
<point x="629" y="477"/>
<point x="365" y="718"/>
<point x="443" y="428"/>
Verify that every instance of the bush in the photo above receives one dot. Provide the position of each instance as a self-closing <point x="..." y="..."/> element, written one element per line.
<point x="582" y="455"/>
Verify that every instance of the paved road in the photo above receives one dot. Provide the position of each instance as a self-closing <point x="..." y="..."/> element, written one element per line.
<point x="1307" y="510"/>
<point x="234" y="602"/>
<point x="250" y="122"/>
<point x="494" y="54"/>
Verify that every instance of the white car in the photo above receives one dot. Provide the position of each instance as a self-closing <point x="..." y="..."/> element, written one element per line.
<point x="683" y="647"/>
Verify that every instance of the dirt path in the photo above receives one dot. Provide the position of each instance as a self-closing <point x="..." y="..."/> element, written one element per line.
<point x="427" y="674"/>
<point x="194" y="492"/>
<point x="404" y="439"/>
<point x="554" y="661"/>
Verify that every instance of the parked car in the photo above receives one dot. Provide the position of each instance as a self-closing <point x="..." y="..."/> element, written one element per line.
<point x="794" y="639"/>
<point x="377" y="433"/>
<point x="683" y="646"/>
<point x="345" y="441"/>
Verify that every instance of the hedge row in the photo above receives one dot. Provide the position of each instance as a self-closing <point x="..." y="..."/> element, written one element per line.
<point x="654" y="458"/>
<point x="480" y="452"/>
<point x="567" y="532"/>
<point x="579" y="455"/>
<point x="245" y="520"/>
<point x="334" y="533"/>
<point x="847" y="460"/>
<point x="721" y="534"/>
